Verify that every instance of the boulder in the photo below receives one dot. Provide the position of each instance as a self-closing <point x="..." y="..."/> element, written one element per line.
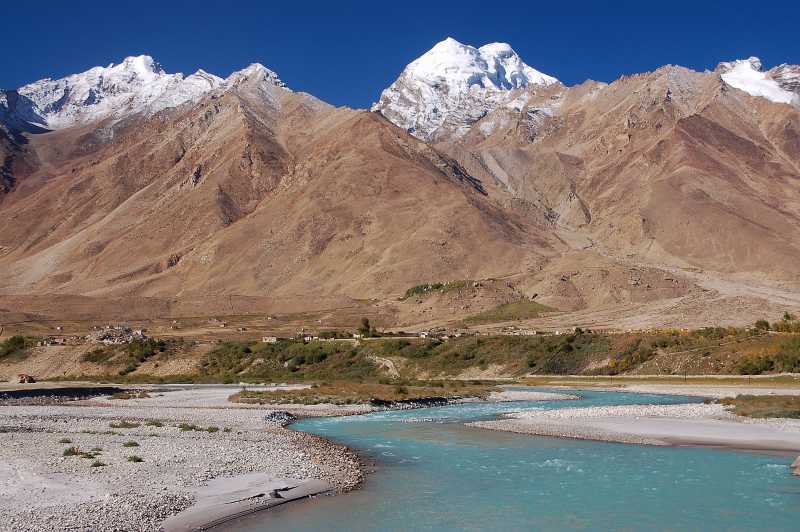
<point x="280" y="418"/>
<point x="796" y="466"/>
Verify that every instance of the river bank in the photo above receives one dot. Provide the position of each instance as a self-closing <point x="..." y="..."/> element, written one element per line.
<point x="107" y="464"/>
<point x="712" y="425"/>
<point x="171" y="456"/>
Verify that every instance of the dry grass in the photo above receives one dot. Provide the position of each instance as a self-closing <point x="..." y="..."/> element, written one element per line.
<point x="518" y="310"/>
<point x="361" y="393"/>
<point x="131" y="394"/>
<point x="763" y="406"/>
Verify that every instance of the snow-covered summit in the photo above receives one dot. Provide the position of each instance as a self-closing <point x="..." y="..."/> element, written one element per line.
<point x="257" y="73"/>
<point x="136" y="85"/>
<point x="453" y="85"/>
<point x="493" y="66"/>
<point x="748" y="76"/>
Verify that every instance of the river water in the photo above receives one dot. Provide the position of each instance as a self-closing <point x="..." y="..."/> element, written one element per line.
<point x="433" y="473"/>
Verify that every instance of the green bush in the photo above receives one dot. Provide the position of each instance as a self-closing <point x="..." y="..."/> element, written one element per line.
<point x="762" y="325"/>
<point x="635" y="355"/>
<point x="789" y="326"/>
<point x="98" y="356"/>
<point x="14" y="347"/>
<point x="422" y="289"/>
<point x="755" y="365"/>
<point x="787" y="360"/>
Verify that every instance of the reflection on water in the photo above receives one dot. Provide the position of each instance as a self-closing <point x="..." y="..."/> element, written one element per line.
<point x="436" y="474"/>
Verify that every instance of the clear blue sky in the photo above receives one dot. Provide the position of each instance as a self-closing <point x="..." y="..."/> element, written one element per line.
<point x="347" y="52"/>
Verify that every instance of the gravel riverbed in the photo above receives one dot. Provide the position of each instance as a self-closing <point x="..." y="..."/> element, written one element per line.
<point x="105" y="489"/>
<point x="684" y="424"/>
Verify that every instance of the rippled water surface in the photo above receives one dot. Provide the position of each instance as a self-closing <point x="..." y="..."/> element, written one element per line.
<point x="436" y="474"/>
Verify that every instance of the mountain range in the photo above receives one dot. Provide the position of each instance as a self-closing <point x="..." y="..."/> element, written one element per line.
<point x="669" y="197"/>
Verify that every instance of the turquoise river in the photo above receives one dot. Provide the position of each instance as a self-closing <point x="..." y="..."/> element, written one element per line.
<point x="434" y="473"/>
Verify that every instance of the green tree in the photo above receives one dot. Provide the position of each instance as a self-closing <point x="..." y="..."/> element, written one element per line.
<point x="364" y="329"/>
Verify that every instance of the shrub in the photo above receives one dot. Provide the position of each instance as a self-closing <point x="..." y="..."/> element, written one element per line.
<point x="98" y="356"/>
<point x="762" y="325"/>
<point x="97" y="463"/>
<point x="755" y="365"/>
<point x="123" y="425"/>
<point x="787" y="359"/>
<point x="790" y="326"/>
<point x="14" y="347"/>
<point x="64" y="440"/>
<point x="71" y="451"/>
<point x="130" y="444"/>
<point x="130" y="368"/>
<point x="153" y="423"/>
<point x="422" y="289"/>
<point x="134" y="458"/>
<point x="130" y="395"/>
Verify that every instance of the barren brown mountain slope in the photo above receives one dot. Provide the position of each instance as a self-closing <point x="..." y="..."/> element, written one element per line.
<point x="255" y="191"/>
<point x="665" y="198"/>
<point x="671" y="167"/>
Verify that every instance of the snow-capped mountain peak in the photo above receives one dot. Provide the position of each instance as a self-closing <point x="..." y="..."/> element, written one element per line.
<point x="748" y="76"/>
<point x="454" y="85"/>
<point x="255" y="72"/>
<point x="136" y="85"/>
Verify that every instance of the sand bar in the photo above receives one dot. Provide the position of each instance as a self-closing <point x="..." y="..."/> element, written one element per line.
<point x="692" y="424"/>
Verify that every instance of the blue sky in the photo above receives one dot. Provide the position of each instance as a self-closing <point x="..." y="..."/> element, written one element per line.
<point x="347" y="52"/>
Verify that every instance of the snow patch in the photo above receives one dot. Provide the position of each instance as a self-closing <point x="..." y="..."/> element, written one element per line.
<point x="746" y="75"/>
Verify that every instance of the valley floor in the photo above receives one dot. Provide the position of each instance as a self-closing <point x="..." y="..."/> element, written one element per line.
<point x="141" y="463"/>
